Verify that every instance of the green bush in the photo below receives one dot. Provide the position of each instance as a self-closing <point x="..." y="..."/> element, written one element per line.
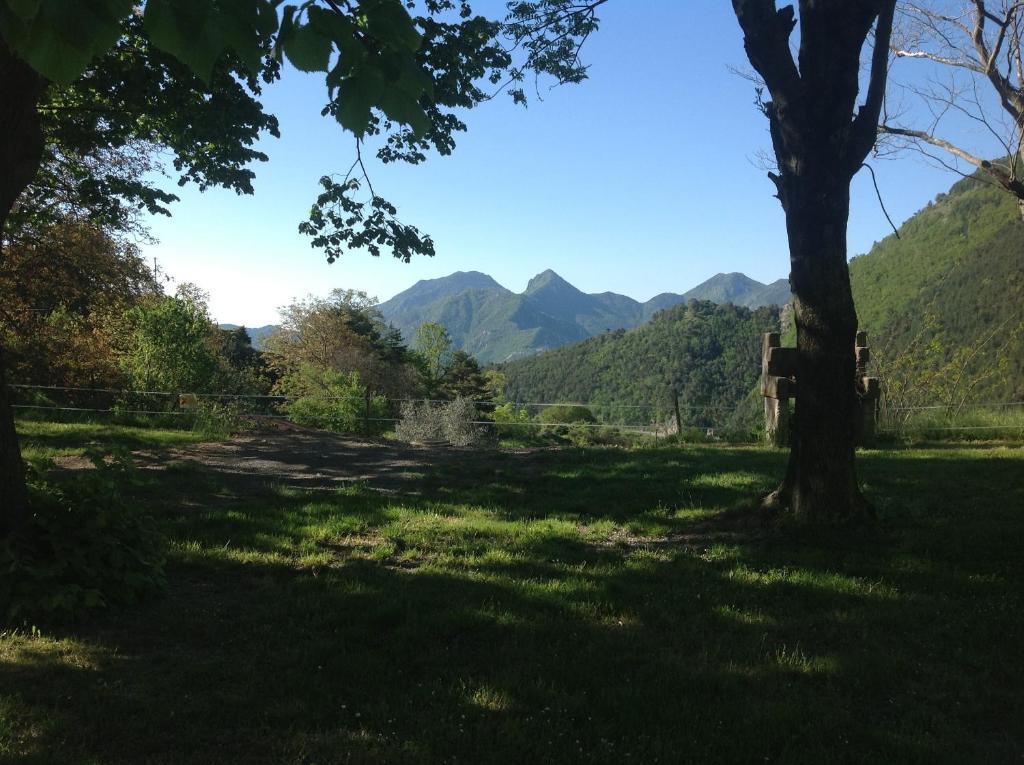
<point x="512" y="421"/>
<point x="82" y="550"/>
<point x="216" y="418"/>
<point x="564" y="414"/>
<point x="556" y="419"/>
<point x="333" y="401"/>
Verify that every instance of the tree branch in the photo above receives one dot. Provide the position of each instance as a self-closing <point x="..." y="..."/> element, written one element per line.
<point x="766" y="32"/>
<point x="865" y="132"/>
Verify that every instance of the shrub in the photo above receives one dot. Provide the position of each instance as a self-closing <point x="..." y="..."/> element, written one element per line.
<point x="511" y="421"/>
<point x="557" y="418"/>
<point x="333" y="401"/>
<point x="564" y="414"/>
<point x="82" y="550"/>
<point x="216" y="418"/>
<point x="453" y="422"/>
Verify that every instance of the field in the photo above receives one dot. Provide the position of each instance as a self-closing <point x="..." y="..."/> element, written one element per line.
<point x="536" y="605"/>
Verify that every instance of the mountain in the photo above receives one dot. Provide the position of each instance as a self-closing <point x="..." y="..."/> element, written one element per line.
<point x="496" y="324"/>
<point x="256" y="334"/>
<point x="429" y="290"/>
<point x="950" y="286"/>
<point x="740" y="289"/>
<point x="951" y="282"/>
<point x="710" y="354"/>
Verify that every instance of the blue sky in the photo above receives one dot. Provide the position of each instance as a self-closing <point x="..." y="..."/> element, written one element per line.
<point x="642" y="180"/>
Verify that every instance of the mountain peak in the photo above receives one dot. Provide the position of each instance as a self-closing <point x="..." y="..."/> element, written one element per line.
<point x="547" y="280"/>
<point x="460" y="280"/>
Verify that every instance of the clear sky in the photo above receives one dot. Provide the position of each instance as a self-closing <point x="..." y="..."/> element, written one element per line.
<point x="642" y="180"/>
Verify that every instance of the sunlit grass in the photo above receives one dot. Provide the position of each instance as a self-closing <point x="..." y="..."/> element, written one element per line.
<point x="46" y="440"/>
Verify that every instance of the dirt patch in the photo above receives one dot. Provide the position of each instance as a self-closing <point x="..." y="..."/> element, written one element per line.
<point x="286" y="455"/>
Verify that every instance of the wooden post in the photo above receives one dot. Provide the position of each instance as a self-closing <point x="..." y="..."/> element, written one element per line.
<point x="776" y="388"/>
<point x="679" y="419"/>
<point x="366" y="415"/>
<point x="869" y="391"/>
<point x="779" y="385"/>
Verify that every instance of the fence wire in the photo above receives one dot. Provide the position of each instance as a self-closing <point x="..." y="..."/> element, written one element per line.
<point x="892" y="421"/>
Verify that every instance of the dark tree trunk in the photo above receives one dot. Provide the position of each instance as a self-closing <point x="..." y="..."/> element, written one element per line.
<point x="821" y="481"/>
<point x="21" y="148"/>
<point x="821" y="138"/>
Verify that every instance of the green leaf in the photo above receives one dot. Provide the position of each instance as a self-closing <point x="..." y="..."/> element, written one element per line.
<point x="59" y="38"/>
<point x="266" y="18"/>
<point x="401" y="108"/>
<point x="54" y="57"/>
<point x="356" y="98"/>
<point x="389" y="22"/>
<point x="188" y="30"/>
<point x="307" y="49"/>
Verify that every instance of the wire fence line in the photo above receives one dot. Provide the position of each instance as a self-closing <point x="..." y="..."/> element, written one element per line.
<point x="280" y="397"/>
<point x="179" y="413"/>
<point x="659" y="423"/>
<point x="591" y="405"/>
<point x="285" y="398"/>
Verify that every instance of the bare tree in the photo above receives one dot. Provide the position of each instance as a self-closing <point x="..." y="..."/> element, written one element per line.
<point x="976" y="46"/>
<point x="820" y="138"/>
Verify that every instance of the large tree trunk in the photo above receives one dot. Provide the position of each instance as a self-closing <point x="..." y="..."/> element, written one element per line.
<point x="821" y="138"/>
<point x="821" y="480"/>
<point x="21" y="148"/>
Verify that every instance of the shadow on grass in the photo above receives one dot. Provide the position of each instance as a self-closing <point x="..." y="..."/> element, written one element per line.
<point x="542" y="645"/>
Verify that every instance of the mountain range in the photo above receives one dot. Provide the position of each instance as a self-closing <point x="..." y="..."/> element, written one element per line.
<point x="948" y="288"/>
<point x="495" y="324"/>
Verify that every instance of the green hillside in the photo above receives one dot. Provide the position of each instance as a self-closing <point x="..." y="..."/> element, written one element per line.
<point x="955" y="277"/>
<point x="951" y="283"/>
<point x="709" y="353"/>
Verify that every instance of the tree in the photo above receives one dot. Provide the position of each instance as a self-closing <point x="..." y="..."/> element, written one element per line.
<point x="105" y="136"/>
<point x="820" y="139"/>
<point x="981" y="41"/>
<point x="434" y="347"/>
<point x="171" y="346"/>
<point x="463" y="379"/>
<point x="82" y="152"/>
<point x="344" y="333"/>
<point x="388" y="74"/>
<point x="66" y="289"/>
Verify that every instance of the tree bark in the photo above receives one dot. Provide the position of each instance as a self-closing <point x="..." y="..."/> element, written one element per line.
<point x="821" y="138"/>
<point x="21" y="150"/>
<point x="821" y="480"/>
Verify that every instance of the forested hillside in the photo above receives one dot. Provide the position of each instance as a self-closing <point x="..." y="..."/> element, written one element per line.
<point x="944" y="303"/>
<point x="709" y="353"/>
<point x="953" y="282"/>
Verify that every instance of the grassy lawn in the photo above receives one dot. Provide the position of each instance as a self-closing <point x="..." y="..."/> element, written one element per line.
<point x="553" y="606"/>
<point x="40" y="439"/>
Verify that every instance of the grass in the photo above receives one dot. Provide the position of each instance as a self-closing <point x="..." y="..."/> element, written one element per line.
<point x="558" y="606"/>
<point x="974" y="423"/>
<point x="46" y="440"/>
